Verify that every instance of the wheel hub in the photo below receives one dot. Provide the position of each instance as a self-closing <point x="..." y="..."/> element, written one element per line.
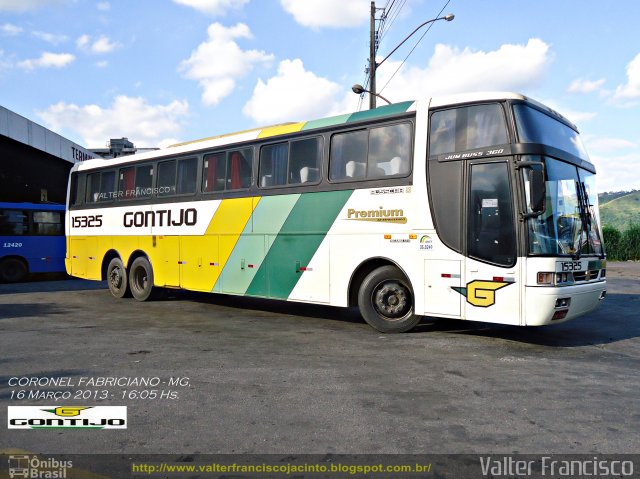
<point x="391" y="299"/>
<point x="116" y="277"/>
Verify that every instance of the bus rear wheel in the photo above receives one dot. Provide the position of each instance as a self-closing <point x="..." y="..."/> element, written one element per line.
<point x="117" y="279"/>
<point x="13" y="270"/>
<point x="141" y="279"/>
<point x="385" y="300"/>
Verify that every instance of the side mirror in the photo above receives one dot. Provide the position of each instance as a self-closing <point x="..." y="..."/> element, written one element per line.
<point x="537" y="190"/>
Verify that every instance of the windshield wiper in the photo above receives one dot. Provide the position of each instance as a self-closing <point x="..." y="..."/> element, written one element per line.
<point x="585" y="214"/>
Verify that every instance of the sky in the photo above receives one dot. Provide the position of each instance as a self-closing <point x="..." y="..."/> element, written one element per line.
<point x="164" y="71"/>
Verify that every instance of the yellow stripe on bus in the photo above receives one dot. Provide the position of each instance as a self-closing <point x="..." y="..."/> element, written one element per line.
<point x="281" y="129"/>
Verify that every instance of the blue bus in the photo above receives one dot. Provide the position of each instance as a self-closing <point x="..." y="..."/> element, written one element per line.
<point x="31" y="240"/>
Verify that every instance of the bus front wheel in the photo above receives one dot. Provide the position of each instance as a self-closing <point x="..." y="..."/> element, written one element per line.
<point x="385" y="300"/>
<point x="117" y="279"/>
<point x="13" y="270"/>
<point x="141" y="279"/>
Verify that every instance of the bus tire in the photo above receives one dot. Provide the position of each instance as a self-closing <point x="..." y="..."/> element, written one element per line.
<point x="141" y="279"/>
<point x="117" y="279"/>
<point x="385" y="300"/>
<point x="13" y="270"/>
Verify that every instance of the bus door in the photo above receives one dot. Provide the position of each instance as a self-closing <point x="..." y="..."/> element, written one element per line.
<point x="492" y="270"/>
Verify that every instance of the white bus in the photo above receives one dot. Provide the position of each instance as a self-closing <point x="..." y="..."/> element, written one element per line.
<point x="478" y="206"/>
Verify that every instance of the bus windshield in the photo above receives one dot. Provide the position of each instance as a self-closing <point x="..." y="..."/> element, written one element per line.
<point x="535" y="126"/>
<point x="570" y="223"/>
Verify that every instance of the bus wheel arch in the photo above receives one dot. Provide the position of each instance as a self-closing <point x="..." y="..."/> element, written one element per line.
<point x="13" y="269"/>
<point x="384" y="295"/>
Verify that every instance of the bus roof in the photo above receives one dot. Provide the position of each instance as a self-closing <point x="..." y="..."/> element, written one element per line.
<point x="32" y="206"/>
<point x="286" y="128"/>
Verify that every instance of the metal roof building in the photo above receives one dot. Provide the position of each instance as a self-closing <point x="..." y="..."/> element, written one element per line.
<point x="34" y="161"/>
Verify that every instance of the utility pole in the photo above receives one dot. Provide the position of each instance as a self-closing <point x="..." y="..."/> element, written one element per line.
<point x="372" y="58"/>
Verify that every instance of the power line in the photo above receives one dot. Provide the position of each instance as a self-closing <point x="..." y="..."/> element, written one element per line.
<point x="414" y="47"/>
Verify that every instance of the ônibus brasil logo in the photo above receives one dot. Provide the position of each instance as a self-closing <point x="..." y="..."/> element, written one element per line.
<point x="78" y="417"/>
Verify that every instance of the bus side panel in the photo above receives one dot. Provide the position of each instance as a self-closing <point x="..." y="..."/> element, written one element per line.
<point x="244" y="266"/>
<point x="165" y="260"/>
<point x="297" y="242"/>
<point x="199" y="262"/>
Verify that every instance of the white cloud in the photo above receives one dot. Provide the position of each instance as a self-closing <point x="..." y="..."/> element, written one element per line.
<point x="219" y="62"/>
<point x="52" y="38"/>
<point x="585" y="86"/>
<point x="213" y="7"/>
<point x="48" y="60"/>
<point x="328" y="13"/>
<point x="98" y="46"/>
<point x="27" y="5"/>
<point x="103" y="6"/>
<point x="10" y="30"/>
<point x="616" y="160"/>
<point x="631" y="90"/>
<point x="617" y="172"/>
<point x="606" y="145"/>
<point x="450" y="70"/>
<point x="144" y="124"/>
<point x="293" y="94"/>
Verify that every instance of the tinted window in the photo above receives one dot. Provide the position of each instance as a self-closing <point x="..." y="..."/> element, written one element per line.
<point x="167" y="178"/>
<point x="13" y="222"/>
<point x="47" y="223"/>
<point x="491" y="224"/>
<point x="101" y="187"/>
<point x="467" y="128"/>
<point x="305" y="157"/>
<point x="348" y="156"/>
<point x="239" y="168"/>
<point x="187" y="174"/>
<point x="135" y="182"/>
<point x="371" y="154"/>
<point x="536" y="127"/>
<point x="389" y="151"/>
<point x="214" y="172"/>
<point x="445" y="188"/>
<point x="177" y="177"/>
<point x="274" y="164"/>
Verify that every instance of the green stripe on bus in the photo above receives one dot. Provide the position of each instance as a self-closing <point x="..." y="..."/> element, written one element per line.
<point x="250" y="250"/>
<point x="381" y="111"/>
<point x="334" y="120"/>
<point x="297" y="242"/>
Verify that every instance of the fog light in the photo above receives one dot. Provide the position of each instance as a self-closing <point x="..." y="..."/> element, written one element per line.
<point x="560" y="314"/>
<point x="602" y="295"/>
<point x="563" y="302"/>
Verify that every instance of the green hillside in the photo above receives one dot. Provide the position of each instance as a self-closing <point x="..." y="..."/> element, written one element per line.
<point x="621" y="212"/>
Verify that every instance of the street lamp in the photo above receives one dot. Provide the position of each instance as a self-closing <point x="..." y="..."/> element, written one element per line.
<point x="359" y="89"/>
<point x="373" y="65"/>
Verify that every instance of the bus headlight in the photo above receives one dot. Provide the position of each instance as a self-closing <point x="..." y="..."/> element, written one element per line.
<point x="555" y="279"/>
<point x="545" y="278"/>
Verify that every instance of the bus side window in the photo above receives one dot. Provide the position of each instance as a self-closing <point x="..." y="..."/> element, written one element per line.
<point x="167" y="178"/>
<point x="187" y="175"/>
<point x="14" y="222"/>
<point x="239" y="168"/>
<point x="348" y="157"/>
<point x="47" y="223"/>
<point x="304" y="161"/>
<point x="274" y="160"/>
<point x="214" y="172"/>
<point x="389" y="151"/>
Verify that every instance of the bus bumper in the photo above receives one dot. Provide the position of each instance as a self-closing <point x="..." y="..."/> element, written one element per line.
<point x="547" y="305"/>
